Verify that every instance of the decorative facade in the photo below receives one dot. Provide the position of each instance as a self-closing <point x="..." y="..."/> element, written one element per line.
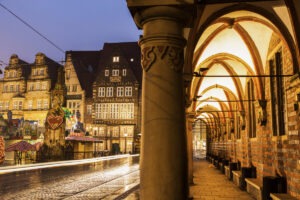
<point x="25" y="98"/>
<point x="116" y="98"/>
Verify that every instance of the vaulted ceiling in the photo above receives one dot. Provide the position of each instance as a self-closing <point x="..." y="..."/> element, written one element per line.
<point x="233" y="49"/>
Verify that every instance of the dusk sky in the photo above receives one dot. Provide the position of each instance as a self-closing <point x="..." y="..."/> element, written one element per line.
<point x="70" y="24"/>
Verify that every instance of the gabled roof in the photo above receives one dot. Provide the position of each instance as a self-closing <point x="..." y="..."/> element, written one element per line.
<point x="130" y="50"/>
<point x="52" y="70"/>
<point x="26" y="68"/>
<point x="85" y="64"/>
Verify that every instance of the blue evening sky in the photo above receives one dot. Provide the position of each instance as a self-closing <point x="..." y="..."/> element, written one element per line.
<point x="70" y="24"/>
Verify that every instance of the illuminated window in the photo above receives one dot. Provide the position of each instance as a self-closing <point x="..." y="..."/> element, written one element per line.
<point x="16" y="105"/>
<point x="42" y="71"/>
<point x="6" y="105"/>
<point x="128" y="91"/>
<point x="124" y="72"/>
<point x="97" y="111"/>
<point x="109" y="91"/>
<point x="1" y="105"/>
<point x="115" y="72"/>
<point x="31" y="87"/>
<point x="37" y="86"/>
<point x="116" y="59"/>
<point x="277" y="95"/>
<point x="44" y="86"/>
<point x="102" y="131"/>
<point x="106" y="72"/>
<point x="89" y="109"/>
<point x="20" y="105"/>
<point x="29" y="105"/>
<point x="95" y="131"/>
<point x="11" y="88"/>
<point x="114" y="111"/>
<point x="74" y="88"/>
<point x="39" y="104"/>
<point x="120" y="91"/>
<point x="68" y="73"/>
<point x="17" y="88"/>
<point x="46" y="104"/>
<point x="101" y="92"/>
<point x="115" y="132"/>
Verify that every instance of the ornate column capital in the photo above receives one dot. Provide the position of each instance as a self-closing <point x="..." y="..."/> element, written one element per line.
<point x="142" y="10"/>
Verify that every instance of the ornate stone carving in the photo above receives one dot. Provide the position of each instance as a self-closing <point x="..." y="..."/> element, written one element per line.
<point x="173" y="56"/>
<point x="148" y="57"/>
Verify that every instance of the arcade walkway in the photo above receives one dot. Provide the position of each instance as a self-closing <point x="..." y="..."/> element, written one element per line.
<point x="211" y="184"/>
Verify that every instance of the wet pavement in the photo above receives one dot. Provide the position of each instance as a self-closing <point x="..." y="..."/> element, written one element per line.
<point x="211" y="184"/>
<point x="108" y="179"/>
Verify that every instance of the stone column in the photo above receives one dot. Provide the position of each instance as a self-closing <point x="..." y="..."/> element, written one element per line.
<point x="164" y="151"/>
<point x="189" y="133"/>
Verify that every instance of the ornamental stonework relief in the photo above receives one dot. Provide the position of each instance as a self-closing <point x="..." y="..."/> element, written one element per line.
<point x="173" y="56"/>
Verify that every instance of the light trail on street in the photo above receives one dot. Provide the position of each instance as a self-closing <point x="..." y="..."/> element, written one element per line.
<point x="106" y="179"/>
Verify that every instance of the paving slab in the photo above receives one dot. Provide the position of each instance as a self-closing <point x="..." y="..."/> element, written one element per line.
<point x="211" y="184"/>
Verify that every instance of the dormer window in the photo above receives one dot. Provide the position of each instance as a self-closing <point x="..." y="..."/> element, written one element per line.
<point x="68" y="73"/>
<point x="115" y="72"/>
<point x="124" y="72"/>
<point x="106" y="72"/>
<point x="42" y="72"/>
<point x="116" y="59"/>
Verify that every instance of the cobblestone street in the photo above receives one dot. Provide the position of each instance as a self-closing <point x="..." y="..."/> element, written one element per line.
<point x="211" y="184"/>
<point x="107" y="180"/>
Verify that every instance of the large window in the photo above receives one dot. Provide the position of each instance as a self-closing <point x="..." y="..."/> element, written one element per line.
<point x="39" y="104"/>
<point x="74" y="88"/>
<point x="46" y="104"/>
<point x="6" y="105"/>
<point x="17" y="88"/>
<point x="37" y="86"/>
<point x="120" y="91"/>
<point x="109" y="91"/>
<point x="114" y="111"/>
<point x="29" y="105"/>
<point x="11" y="88"/>
<point x="18" y="105"/>
<point x="277" y="95"/>
<point x="251" y="110"/>
<point x="101" y="92"/>
<point x="115" y="72"/>
<point x="89" y="109"/>
<point x="44" y="86"/>
<point x="128" y="91"/>
<point x="74" y="106"/>
<point x="116" y="59"/>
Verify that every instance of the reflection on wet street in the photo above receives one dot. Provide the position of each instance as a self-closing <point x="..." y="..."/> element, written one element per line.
<point x="107" y="179"/>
